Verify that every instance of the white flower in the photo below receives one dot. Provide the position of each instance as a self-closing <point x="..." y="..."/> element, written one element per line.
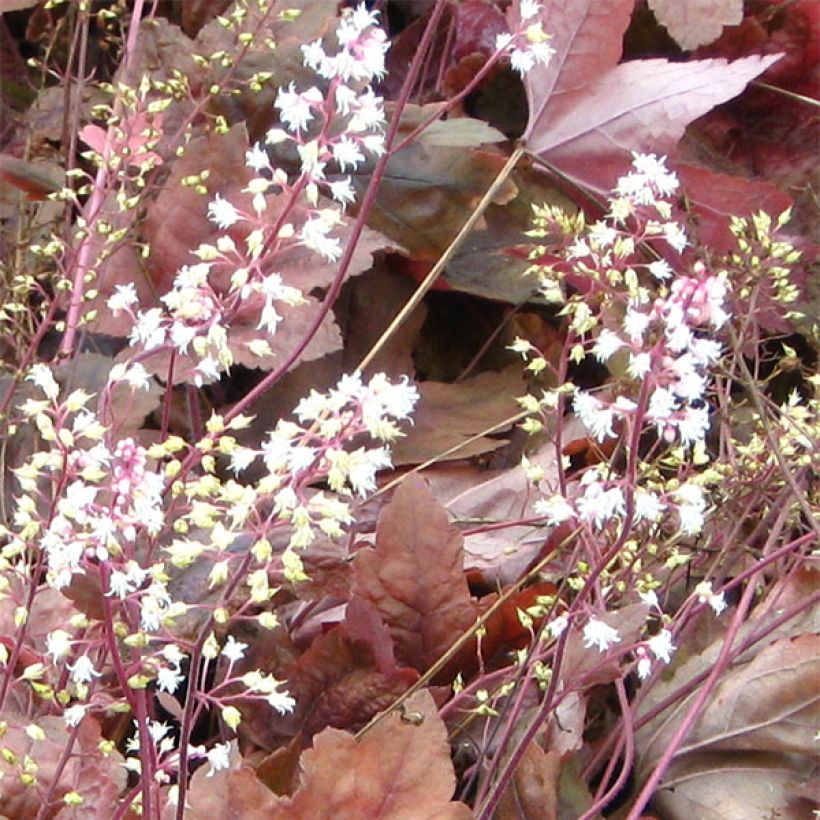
<point x="168" y="680"/>
<point x="691" y="508"/>
<point x="650" y="598"/>
<point x="234" y="650"/>
<point x="315" y="58"/>
<point x="674" y="234"/>
<point x="503" y="40"/>
<point x="294" y="108"/>
<point x="222" y="212"/>
<point x="42" y="377"/>
<point x="74" y="714"/>
<point x="599" y="505"/>
<point x="522" y="61"/>
<point x="148" y="329"/>
<point x="122" y="298"/>
<point x="595" y="415"/>
<point x="528" y="8"/>
<point x="558" y="625"/>
<point x="635" y="324"/>
<point x="283" y="702"/>
<point x="82" y="670"/>
<point x="257" y="158"/>
<point x="343" y="191"/>
<point x="219" y="758"/>
<point x="362" y="467"/>
<point x="600" y="634"/>
<point x="644" y="664"/>
<point x="661" y="269"/>
<point x="607" y="344"/>
<point x="639" y="365"/>
<point x="602" y="234"/>
<point x="661" y="405"/>
<point x="556" y="509"/>
<point x="705" y="595"/>
<point x="662" y="646"/>
<point x="648" y="506"/>
<point x="347" y="152"/>
<point x="694" y="425"/>
<point x="58" y="644"/>
<point x="315" y="235"/>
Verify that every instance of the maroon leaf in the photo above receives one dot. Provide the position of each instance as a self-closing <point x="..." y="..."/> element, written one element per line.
<point x="643" y="105"/>
<point x="586" y="36"/>
<point x="415" y="576"/>
<point x="715" y="198"/>
<point x="343" y="679"/>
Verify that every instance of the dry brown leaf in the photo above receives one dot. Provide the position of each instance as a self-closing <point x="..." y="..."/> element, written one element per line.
<point x="397" y="771"/>
<point x="758" y="727"/>
<point x="533" y="792"/>
<point x="449" y="414"/>
<point x="693" y="23"/>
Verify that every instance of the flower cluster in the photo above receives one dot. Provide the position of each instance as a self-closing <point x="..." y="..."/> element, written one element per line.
<point x="333" y="132"/>
<point x="528" y="44"/>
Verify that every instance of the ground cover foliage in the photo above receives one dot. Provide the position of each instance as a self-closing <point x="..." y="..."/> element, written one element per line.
<point x="409" y="410"/>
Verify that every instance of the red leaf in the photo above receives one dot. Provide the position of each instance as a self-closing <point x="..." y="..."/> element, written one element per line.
<point x="397" y="770"/>
<point x="717" y="197"/>
<point x="477" y="25"/>
<point x="344" y="678"/>
<point x="587" y="38"/>
<point x="415" y="576"/>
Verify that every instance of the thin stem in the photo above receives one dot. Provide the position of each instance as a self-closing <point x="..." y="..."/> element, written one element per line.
<point x="437" y="269"/>
<point x="701" y="699"/>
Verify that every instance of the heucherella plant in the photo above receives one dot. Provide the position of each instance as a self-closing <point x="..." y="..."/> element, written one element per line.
<point x="122" y="521"/>
<point x="213" y="597"/>
<point x="636" y="511"/>
<point x="658" y="326"/>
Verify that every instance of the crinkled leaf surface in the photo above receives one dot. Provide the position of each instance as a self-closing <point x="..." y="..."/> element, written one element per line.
<point x="415" y="576"/>
<point x="693" y="23"/>
<point x="234" y="792"/>
<point x="397" y="771"/>
<point x="342" y="680"/>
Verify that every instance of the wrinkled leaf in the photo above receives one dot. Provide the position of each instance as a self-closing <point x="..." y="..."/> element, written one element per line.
<point x="693" y="23"/>
<point x="342" y="680"/>
<point x="99" y="779"/>
<point x="415" y="576"/>
<point x="234" y="792"/>
<point x="397" y="771"/>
